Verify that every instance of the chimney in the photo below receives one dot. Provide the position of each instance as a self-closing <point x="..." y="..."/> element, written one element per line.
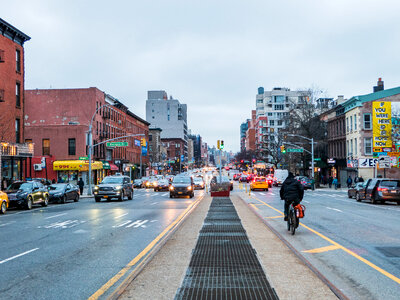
<point x="340" y="99"/>
<point x="379" y="86"/>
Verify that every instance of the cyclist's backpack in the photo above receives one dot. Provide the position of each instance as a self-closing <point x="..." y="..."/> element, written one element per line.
<point x="300" y="210"/>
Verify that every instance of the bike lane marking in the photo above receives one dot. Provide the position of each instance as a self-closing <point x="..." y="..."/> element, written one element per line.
<point x="322" y="249"/>
<point x="18" y="255"/>
<point x="360" y="258"/>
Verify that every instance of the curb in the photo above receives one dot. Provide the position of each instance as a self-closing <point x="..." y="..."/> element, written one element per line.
<point x="325" y="280"/>
<point x="116" y="294"/>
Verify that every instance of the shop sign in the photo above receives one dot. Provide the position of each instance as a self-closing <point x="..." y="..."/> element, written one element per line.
<point x="331" y="161"/>
<point x="137" y="143"/>
<point x="375" y="149"/>
<point x="367" y="162"/>
<point x="382" y="124"/>
<point x="387" y="150"/>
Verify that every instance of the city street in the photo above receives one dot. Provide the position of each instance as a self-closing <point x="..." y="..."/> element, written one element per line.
<point x="354" y="245"/>
<point x="70" y="251"/>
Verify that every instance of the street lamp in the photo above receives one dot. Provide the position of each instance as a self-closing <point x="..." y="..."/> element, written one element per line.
<point x="312" y="150"/>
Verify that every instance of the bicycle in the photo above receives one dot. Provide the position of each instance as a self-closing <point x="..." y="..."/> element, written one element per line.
<point x="294" y="216"/>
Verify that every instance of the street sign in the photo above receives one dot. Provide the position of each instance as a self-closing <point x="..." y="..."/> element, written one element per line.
<point x="117" y="144"/>
<point x="295" y="150"/>
<point x="83" y="158"/>
<point x="384" y="162"/>
<point x="317" y="159"/>
<point x="144" y="151"/>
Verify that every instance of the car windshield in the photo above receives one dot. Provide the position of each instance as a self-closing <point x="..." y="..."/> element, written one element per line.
<point x="181" y="180"/>
<point x="259" y="179"/>
<point x="163" y="181"/>
<point x="57" y="187"/>
<point x="112" y="180"/>
<point x="23" y="186"/>
<point x="137" y="181"/>
<point x="198" y="179"/>
<point x="391" y="183"/>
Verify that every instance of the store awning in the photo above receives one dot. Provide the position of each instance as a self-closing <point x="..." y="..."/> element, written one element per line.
<point x="113" y="167"/>
<point x="76" y="165"/>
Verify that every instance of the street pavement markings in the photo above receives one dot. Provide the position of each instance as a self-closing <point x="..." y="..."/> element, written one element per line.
<point x="120" y="216"/>
<point x="145" y="251"/>
<point x="367" y="262"/>
<point x="322" y="249"/>
<point x="254" y="206"/>
<point x="59" y="215"/>
<point x="18" y="255"/>
<point x="5" y="224"/>
<point x="154" y="203"/>
<point x="262" y="194"/>
<point x="64" y="224"/>
<point x="334" y="209"/>
<point x="135" y="224"/>
<point x="165" y="194"/>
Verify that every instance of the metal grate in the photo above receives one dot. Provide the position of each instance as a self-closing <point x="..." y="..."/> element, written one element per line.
<point x="224" y="265"/>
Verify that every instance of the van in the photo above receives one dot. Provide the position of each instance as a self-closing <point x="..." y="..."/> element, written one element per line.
<point x="280" y="176"/>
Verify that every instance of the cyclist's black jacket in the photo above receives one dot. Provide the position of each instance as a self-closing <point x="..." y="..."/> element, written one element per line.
<point x="291" y="190"/>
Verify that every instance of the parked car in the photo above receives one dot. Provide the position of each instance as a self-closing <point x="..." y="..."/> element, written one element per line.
<point x="151" y="183"/>
<point x="43" y="181"/>
<point x="380" y="190"/>
<point x="259" y="183"/>
<point x="114" y="187"/>
<point x="138" y="183"/>
<point x="27" y="193"/>
<point x="181" y="186"/>
<point x="3" y="202"/>
<point x="162" y="185"/>
<point x="305" y="182"/>
<point x="62" y="192"/>
<point x="144" y="181"/>
<point x="216" y="179"/>
<point x="355" y="189"/>
<point x="198" y="183"/>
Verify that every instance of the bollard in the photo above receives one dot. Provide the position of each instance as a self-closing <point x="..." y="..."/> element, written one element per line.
<point x="249" y="191"/>
<point x="246" y="188"/>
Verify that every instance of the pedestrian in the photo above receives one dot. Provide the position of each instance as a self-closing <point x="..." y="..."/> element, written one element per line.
<point x="291" y="191"/>
<point x="81" y="184"/>
<point x="330" y="180"/>
<point x="349" y="182"/>
<point x="360" y="179"/>
<point x="356" y="179"/>
<point x="4" y="184"/>
<point x="335" y="183"/>
<point x="53" y="181"/>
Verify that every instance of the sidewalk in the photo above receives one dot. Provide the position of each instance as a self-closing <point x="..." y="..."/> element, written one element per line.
<point x="290" y="277"/>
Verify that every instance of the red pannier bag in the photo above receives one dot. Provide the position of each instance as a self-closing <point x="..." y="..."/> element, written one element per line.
<point x="300" y="210"/>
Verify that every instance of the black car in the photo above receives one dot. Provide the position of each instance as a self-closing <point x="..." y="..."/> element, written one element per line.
<point x="355" y="189"/>
<point x="162" y="185"/>
<point x="27" y="193"/>
<point x="62" y="192"/>
<point x="116" y="186"/>
<point x="181" y="186"/>
<point x="138" y="183"/>
<point x="380" y="190"/>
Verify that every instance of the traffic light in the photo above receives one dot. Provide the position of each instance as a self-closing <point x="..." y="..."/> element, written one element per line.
<point x="218" y="145"/>
<point x="143" y="142"/>
<point x="283" y="150"/>
<point x="254" y="160"/>
<point x="242" y="161"/>
<point x="221" y="145"/>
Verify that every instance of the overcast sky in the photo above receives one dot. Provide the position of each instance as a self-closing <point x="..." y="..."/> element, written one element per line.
<point x="209" y="54"/>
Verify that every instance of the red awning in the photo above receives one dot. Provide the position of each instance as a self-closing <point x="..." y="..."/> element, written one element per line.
<point x="113" y="167"/>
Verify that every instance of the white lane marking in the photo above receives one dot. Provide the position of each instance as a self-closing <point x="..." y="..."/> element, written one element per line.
<point x="120" y="216"/>
<point x="252" y="194"/>
<point x="306" y="201"/>
<point x="272" y="194"/>
<point x="334" y="209"/>
<point x="166" y="194"/>
<point x="65" y="224"/>
<point x="5" y="224"/>
<point x="138" y="223"/>
<point x="262" y="194"/>
<point x="123" y="224"/>
<point x="56" y="216"/>
<point x="18" y="255"/>
<point x="154" y="203"/>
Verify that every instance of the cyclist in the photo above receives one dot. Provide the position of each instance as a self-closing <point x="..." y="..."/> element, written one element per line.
<point x="291" y="191"/>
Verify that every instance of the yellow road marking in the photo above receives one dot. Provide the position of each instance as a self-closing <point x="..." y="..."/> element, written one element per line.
<point x="254" y="206"/>
<point x="274" y="217"/>
<point x="322" y="249"/>
<point x="123" y="271"/>
<point x="367" y="262"/>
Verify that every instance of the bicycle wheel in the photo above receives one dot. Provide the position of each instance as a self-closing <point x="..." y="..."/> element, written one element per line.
<point x="288" y="223"/>
<point x="293" y="221"/>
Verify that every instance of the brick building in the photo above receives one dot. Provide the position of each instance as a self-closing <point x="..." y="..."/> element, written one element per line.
<point x="57" y="121"/>
<point x="14" y="156"/>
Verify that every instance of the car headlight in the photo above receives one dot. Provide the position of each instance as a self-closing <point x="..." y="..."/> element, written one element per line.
<point x="189" y="188"/>
<point x="96" y="187"/>
<point x="147" y="183"/>
<point x="155" y="184"/>
<point x="118" y="187"/>
<point x="171" y="188"/>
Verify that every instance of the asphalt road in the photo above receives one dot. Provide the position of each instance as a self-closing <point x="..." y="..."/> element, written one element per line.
<point x="355" y="245"/>
<point x="69" y="251"/>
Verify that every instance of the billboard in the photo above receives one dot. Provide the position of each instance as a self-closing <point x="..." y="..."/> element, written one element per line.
<point x="382" y="124"/>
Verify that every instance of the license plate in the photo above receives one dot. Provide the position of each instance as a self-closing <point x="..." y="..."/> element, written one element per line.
<point x="179" y="192"/>
<point x="105" y="196"/>
<point x="394" y="192"/>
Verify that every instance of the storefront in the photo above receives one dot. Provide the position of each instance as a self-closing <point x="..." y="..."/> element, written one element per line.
<point x="72" y="170"/>
<point x="15" y="159"/>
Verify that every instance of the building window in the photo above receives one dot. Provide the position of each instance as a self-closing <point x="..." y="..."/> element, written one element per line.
<point x="271" y="123"/>
<point x="355" y="122"/>
<point x="351" y="123"/>
<point x="18" y="94"/>
<point x="17" y="130"/>
<point x="355" y="146"/>
<point x="45" y="147"/>
<point x="279" y="107"/>
<point x="368" y="146"/>
<point x="269" y="114"/>
<point x="347" y="124"/>
<point x="18" y="60"/>
<point x="348" y="148"/>
<point x="351" y="148"/>
<point x="71" y="146"/>
<point x="28" y="141"/>
<point x="367" y="122"/>
<point x="279" y="122"/>
<point x="150" y="138"/>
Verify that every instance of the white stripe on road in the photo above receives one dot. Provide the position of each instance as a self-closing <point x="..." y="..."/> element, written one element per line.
<point x="272" y="194"/>
<point x="5" y="224"/>
<point x="120" y="225"/>
<point x="334" y="209"/>
<point x="262" y="194"/>
<point x="56" y="216"/>
<point x="154" y="203"/>
<point x="166" y="194"/>
<point x="306" y="201"/>
<point x="138" y="223"/>
<point x="18" y="255"/>
<point x="117" y="217"/>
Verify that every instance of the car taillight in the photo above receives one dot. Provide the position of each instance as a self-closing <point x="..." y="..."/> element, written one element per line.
<point x="382" y="189"/>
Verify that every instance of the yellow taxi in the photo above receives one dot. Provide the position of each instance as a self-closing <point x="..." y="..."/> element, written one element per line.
<point x="259" y="183"/>
<point x="3" y="202"/>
